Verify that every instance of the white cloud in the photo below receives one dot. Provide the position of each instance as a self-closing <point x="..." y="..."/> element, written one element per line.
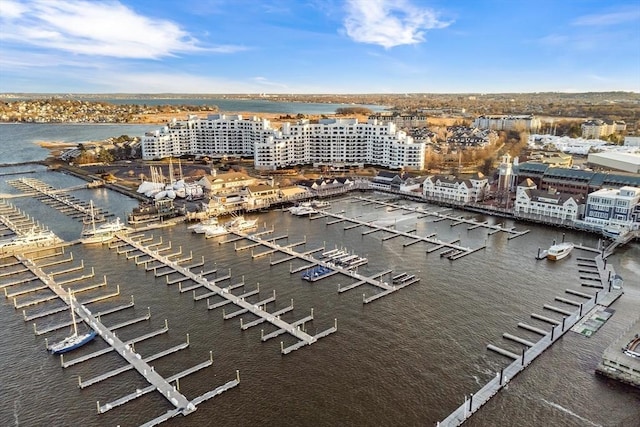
<point x="606" y="19"/>
<point x="96" y="28"/>
<point x="10" y="9"/>
<point x="389" y="23"/>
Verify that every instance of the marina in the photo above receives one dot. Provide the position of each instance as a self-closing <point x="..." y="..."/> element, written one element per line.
<point x="312" y="246"/>
<point x="529" y="351"/>
<point x="93" y="321"/>
<point x="257" y="308"/>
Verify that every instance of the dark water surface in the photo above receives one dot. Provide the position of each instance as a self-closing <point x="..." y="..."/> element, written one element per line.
<point x="406" y="359"/>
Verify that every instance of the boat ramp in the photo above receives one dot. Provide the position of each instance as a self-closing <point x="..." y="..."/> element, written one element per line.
<point x="561" y="319"/>
<point x="44" y="266"/>
<point x="153" y="259"/>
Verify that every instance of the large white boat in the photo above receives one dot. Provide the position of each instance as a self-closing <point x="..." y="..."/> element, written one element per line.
<point x="205" y="226"/>
<point x="239" y="223"/>
<point x="74" y="340"/>
<point x="613" y="231"/>
<point x="102" y="233"/>
<point x="559" y="251"/>
<point x="32" y="238"/>
<point x="301" y="209"/>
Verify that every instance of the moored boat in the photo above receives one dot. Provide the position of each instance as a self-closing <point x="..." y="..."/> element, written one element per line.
<point x="239" y="223"/>
<point x="32" y="238"/>
<point x="559" y="251"/>
<point x="74" y="340"/>
<point x="205" y="225"/>
<point x="301" y="209"/>
<point x="101" y="233"/>
<point x="316" y="273"/>
<point x="215" y="231"/>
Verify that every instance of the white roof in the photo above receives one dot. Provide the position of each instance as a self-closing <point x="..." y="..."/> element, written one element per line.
<point x="631" y="158"/>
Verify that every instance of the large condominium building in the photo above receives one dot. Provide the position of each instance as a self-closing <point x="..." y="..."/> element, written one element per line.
<point x="614" y="206"/>
<point x="217" y="135"/>
<point x="526" y="122"/>
<point x="343" y="142"/>
<point x="339" y="142"/>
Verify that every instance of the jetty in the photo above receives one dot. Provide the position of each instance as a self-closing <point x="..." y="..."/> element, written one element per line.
<point x="337" y="261"/>
<point x="59" y="199"/>
<point x="454" y="250"/>
<point x="440" y="215"/>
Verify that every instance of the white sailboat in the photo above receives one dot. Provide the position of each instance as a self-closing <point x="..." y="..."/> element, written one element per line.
<point x="74" y="340"/>
<point x="102" y="233"/>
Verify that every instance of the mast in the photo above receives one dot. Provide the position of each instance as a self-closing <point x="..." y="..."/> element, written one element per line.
<point x="73" y="314"/>
<point x="93" y="219"/>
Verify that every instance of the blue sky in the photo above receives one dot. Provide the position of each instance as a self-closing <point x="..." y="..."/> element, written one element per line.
<point x="319" y="46"/>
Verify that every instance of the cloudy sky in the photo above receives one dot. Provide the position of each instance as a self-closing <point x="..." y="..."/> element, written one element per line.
<point x="319" y="46"/>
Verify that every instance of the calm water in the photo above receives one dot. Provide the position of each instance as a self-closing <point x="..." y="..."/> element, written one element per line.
<point x="406" y="359"/>
<point x="252" y="105"/>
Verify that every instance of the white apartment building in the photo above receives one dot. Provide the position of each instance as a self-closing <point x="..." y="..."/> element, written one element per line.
<point x="550" y="204"/>
<point x="455" y="190"/>
<point x="217" y="135"/>
<point x="342" y="142"/>
<point x="505" y="122"/>
<point x="339" y="142"/>
<point x="614" y="207"/>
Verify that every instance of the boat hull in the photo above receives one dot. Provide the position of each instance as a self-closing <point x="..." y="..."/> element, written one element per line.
<point x="558" y="252"/>
<point x="72" y="344"/>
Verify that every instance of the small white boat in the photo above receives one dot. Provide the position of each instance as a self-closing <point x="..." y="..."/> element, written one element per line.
<point x="559" y="251"/>
<point x="302" y="209"/>
<point x="320" y="204"/>
<point x="205" y="225"/>
<point x="215" y="231"/>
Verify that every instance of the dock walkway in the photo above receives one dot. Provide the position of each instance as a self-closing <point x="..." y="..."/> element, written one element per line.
<point x="476" y="400"/>
<point x="254" y="309"/>
<point x="329" y="263"/>
<point x="182" y="405"/>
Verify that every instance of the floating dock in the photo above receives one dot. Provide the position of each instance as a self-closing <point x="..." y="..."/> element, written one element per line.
<point x="245" y="306"/>
<point x="182" y="405"/>
<point x="532" y="350"/>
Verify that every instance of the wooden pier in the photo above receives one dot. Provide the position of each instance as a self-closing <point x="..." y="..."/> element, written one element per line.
<point x="441" y="216"/>
<point x="60" y="200"/>
<point x="460" y="250"/>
